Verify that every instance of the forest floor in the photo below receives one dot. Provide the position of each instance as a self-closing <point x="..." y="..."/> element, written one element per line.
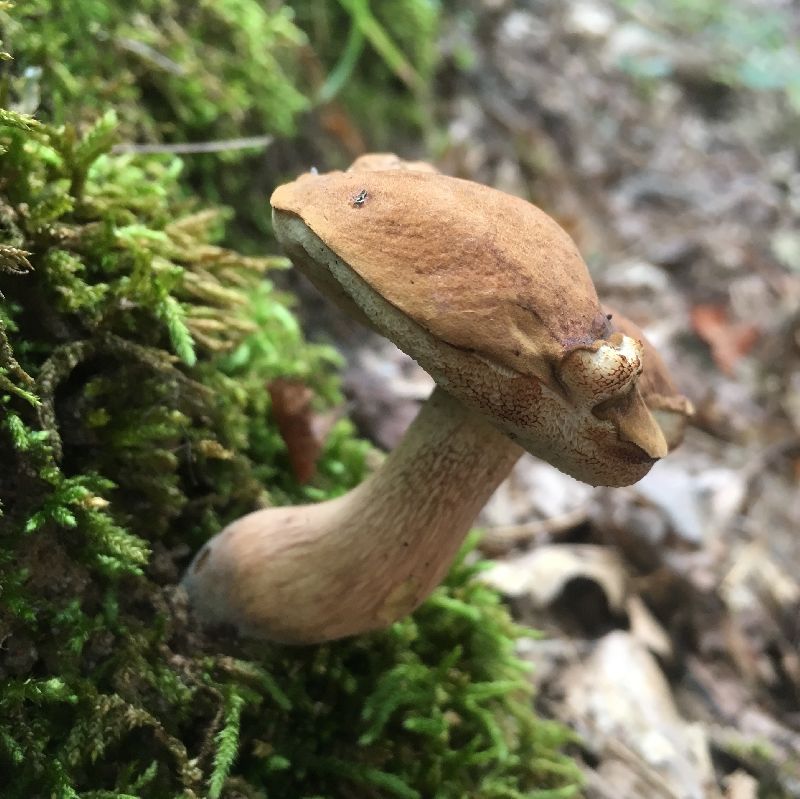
<point x="670" y="609"/>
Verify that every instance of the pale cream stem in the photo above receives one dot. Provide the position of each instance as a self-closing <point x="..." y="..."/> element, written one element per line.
<point x="312" y="573"/>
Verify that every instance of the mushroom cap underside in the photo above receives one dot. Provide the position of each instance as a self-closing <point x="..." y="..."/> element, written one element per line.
<point x="479" y="269"/>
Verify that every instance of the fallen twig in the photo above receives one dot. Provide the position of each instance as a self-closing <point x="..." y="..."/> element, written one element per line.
<point x="502" y="539"/>
<point x="194" y="148"/>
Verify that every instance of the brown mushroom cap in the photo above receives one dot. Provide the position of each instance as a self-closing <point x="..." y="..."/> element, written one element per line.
<point x="491" y="296"/>
<point x="479" y="269"/>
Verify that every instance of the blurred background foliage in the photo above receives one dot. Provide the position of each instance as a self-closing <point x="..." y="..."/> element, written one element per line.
<point x="747" y="45"/>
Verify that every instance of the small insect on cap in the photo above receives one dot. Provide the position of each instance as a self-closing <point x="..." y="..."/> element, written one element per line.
<point x="491" y="296"/>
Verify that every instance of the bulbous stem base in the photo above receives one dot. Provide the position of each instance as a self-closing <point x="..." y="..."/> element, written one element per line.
<point x="314" y="573"/>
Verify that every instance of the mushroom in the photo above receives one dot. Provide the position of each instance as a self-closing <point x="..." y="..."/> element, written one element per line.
<point x="492" y="298"/>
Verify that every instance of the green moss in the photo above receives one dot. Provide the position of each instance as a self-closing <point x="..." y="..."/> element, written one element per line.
<point x="222" y="70"/>
<point x="134" y="423"/>
<point x="171" y="69"/>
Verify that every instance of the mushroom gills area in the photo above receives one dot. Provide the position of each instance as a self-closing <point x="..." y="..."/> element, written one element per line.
<point x="359" y="562"/>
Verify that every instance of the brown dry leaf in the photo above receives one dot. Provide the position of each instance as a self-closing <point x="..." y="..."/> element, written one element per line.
<point x="303" y="431"/>
<point x="339" y="124"/>
<point x="729" y="341"/>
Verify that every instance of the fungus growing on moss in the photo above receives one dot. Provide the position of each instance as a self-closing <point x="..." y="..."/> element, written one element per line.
<point x="492" y="298"/>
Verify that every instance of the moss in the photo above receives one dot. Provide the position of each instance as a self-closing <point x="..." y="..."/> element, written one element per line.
<point x="134" y="422"/>
<point x="222" y="70"/>
<point x="172" y="70"/>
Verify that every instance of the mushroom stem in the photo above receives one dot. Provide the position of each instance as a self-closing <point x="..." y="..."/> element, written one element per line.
<point x="363" y="560"/>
